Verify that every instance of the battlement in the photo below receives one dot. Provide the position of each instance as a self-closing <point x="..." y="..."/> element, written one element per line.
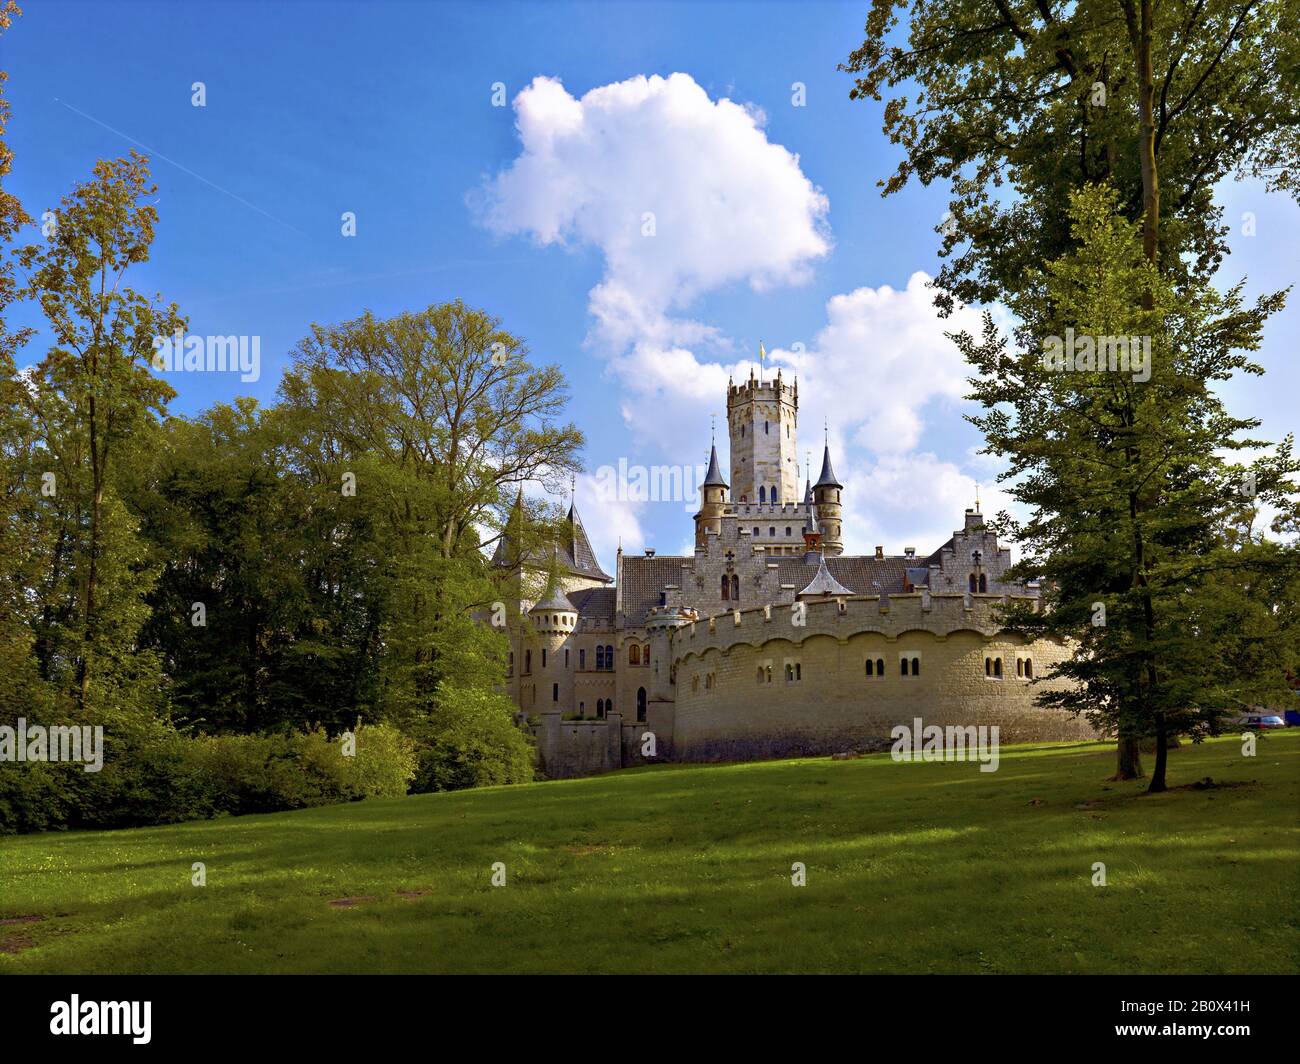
<point x="770" y="390"/>
<point x="887" y="615"/>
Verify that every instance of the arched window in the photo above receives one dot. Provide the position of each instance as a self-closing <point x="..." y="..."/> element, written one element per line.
<point x="600" y="708"/>
<point x="726" y="588"/>
<point x="789" y="673"/>
<point x="582" y="658"/>
<point x="772" y="531"/>
<point x="787" y="530"/>
<point x="765" y="432"/>
<point x="762" y="493"/>
<point x="609" y="656"/>
<point x="798" y="671"/>
<point x="997" y="668"/>
<point x="528" y="661"/>
<point x="870" y="663"/>
<point x="902" y="662"/>
<point x="984" y="582"/>
<point x="742" y="432"/>
<point x="1029" y="668"/>
<point x="773" y="496"/>
<point x="916" y="666"/>
<point x="974" y="586"/>
<point x="880" y="666"/>
<point x="634" y="654"/>
<point x="640" y="704"/>
<point x="735" y="587"/>
<point x="756" y="531"/>
<point x="988" y="666"/>
<point x="600" y="657"/>
<point x="582" y="708"/>
<point x="767" y="674"/>
<point x="760" y="674"/>
<point x="1020" y="666"/>
<point x="555" y="692"/>
<point x="543" y="657"/>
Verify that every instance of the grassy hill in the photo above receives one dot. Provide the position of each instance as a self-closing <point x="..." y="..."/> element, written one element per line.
<point x="910" y="868"/>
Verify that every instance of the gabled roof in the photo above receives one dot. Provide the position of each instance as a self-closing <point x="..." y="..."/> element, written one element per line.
<point x="823" y="583"/>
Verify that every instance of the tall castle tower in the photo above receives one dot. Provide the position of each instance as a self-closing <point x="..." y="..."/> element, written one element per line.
<point x="762" y="418"/>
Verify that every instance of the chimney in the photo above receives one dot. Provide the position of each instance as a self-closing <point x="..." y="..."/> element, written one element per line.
<point x="649" y="552"/>
<point x="910" y="551"/>
<point x="880" y="554"/>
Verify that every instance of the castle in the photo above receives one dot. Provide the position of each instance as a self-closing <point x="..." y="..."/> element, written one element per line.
<point x="768" y="641"/>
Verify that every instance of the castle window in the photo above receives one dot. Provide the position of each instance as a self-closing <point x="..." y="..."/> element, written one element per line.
<point x="789" y="673"/>
<point x="735" y="587"/>
<point x="640" y="704"/>
<point x="787" y="530"/>
<point x="988" y="666"/>
<point x="762" y="493"/>
<point x="910" y="666"/>
<point x="634" y="654"/>
<point x="765" y="432"/>
<point x="756" y="531"/>
<point x="742" y="432"/>
<point x="760" y="674"/>
<point x="555" y="692"/>
<point x="773" y="496"/>
<point x="767" y="674"/>
<point x="600" y="709"/>
<point x="984" y="582"/>
<point x="566" y="657"/>
<point x="582" y="658"/>
<point x="916" y="666"/>
<point x="880" y="666"/>
<point x="528" y="662"/>
<point x="772" y="531"/>
<point x="600" y="657"/>
<point x="609" y="705"/>
<point x="870" y="664"/>
<point x="582" y="709"/>
<point x="1029" y="668"/>
<point x="609" y="656"/>
<point x="543" y="659"/>
<point x="1020" y="666"/>
<point x="997" y="668"/>
<point x="695" y="683"/>
<point x="974" y="586"/>
<point x="726" y="588"/>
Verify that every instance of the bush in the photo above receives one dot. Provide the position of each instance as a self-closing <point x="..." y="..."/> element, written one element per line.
<point x="472" y="741"/>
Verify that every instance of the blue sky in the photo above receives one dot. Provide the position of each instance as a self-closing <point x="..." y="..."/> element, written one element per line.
<point x="386" y="110"/>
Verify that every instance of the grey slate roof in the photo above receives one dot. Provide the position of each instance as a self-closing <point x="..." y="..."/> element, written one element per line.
<point x="827" y="479"/>
<point x="823" y="583"/>
<point x="858" y="573"/>
<point x="643" y="580"/>
<point x="579" y="557"/>
<point x="594" y="604"/>
<point x="713" y="479"/>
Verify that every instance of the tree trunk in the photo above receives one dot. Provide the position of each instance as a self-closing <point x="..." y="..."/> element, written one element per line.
<point x="1162" y="757"/>
<point x="1128" y="762"/>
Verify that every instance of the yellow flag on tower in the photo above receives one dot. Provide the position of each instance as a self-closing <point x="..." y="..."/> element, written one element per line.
<point x="762" y="354"/>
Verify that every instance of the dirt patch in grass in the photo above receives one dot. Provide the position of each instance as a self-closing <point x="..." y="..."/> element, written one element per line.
<point x="31" y="918"/>
<point x="348" y="903"/>
<point x="16" y="944"/>
<point x="411" y="895"/>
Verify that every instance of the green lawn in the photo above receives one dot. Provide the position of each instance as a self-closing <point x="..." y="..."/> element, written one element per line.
<point x="910" y="868"/>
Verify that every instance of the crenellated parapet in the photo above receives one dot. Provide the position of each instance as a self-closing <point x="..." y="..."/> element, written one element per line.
<point x="842" y="618"/>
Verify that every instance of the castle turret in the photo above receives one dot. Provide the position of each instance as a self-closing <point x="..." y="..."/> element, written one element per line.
<point x="713" y="501"/>
<point x="554" y="622"/>
<point x="762" y="418"/>
<point x="826" y="496"/>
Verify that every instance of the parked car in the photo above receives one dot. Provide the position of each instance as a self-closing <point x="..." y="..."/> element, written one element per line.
<point x="1262" y="721"/>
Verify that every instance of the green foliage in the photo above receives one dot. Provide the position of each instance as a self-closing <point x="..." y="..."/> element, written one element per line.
<point x="472" y="742"/>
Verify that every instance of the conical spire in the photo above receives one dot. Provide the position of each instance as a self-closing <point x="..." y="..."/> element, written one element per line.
<point x="507" y="552"/>
<point x="713" y="478"/>
<point x="807" y="493"/>
<point x="553" y="598"/>
<point x="827" y="479"/>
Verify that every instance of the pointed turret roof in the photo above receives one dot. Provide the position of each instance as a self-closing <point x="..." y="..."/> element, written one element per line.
<point x="553" y="598"/>
<point x="713" y="478"/>
<point x="823" y="583"/>
<point x="507" y="553"/>
<point x="827" y="479"/>
<point x="581" y="559"/>
<point x="807" y="493"/>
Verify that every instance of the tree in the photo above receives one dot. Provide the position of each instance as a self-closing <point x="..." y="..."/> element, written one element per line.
<point x="1132" y="502"/>
<point x="1038" y="99"/>
<point x="90" y="396"/>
